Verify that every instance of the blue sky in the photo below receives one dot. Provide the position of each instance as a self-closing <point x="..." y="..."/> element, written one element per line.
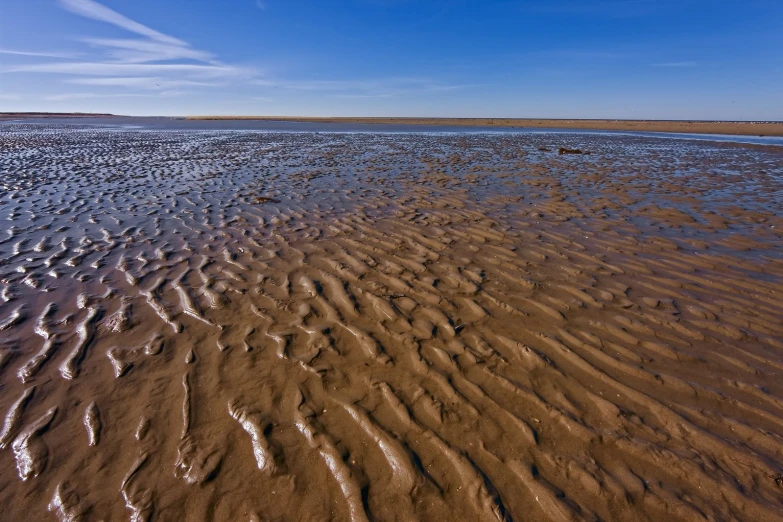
<point x="680" y="59"/>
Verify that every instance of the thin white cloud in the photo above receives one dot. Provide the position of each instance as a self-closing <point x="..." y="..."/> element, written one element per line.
<point x="156" y="61"/>
<point x="9" y="96"/>
<point x="261" y="4"/>
<point x="140" y="51"/>
<point x="39" y="54"/>
<point x="130" y="69"/>
<point x="96" y="11"/>
<point x="141" y="82"/>
<point x="154" y="64"/>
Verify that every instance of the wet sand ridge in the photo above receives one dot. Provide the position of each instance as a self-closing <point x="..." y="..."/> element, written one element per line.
<point x="299" y="326"/>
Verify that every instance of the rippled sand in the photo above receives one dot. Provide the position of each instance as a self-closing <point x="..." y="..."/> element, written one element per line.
<point x="285" y="326"/>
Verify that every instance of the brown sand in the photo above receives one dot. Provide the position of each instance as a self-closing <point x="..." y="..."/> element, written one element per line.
<point x="243" y="326"/>
<point x="698" y="127"/>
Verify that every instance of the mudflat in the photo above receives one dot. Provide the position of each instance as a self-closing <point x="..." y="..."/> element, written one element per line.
<point x="258" y="326"/>
<point x="698" y="127"/>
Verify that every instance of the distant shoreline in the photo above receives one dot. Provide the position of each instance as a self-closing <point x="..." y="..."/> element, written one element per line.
<point x="733" y="128"/>
<point x="22" y="115"/>
<point x="694" y="127"/>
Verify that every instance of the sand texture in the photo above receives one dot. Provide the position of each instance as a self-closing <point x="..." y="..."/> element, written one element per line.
<point x="297" y="326"/>
<point x="698" y="127"/>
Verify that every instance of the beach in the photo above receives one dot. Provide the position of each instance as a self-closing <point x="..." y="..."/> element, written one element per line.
<point x="673" y="126"/>
<point x="238" y="325"/>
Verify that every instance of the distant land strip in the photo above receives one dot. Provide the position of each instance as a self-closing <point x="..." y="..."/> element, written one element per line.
<point x="5" y="115"/>
<point x="737" y="128"/>
<point x="698" y="127"/>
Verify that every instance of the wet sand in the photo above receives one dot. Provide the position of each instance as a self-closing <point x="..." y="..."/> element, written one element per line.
<point x="297" y="326"/>
<point x="690" y="127"/>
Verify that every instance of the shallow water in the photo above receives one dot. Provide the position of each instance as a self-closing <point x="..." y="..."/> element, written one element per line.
<point x="171" y="124"/>
<point x="212" y="324"/>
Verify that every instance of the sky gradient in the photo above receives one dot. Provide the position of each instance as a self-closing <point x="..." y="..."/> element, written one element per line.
<point x="646" y="59"/>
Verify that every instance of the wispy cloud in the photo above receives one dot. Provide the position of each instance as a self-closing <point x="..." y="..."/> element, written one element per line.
<point x="9" y="96"/>
<point x="142" y="82"/>
<point x="96" y="11"/>
<point x="149" y="63"/>
<point x="39" y="54"/>
<point x="129" y="69"/>
<point x="141" y="51"/>
<point x="675" y="64"/>
<point x="154" y="62"/>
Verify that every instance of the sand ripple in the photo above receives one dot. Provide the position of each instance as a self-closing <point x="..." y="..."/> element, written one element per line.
<point x="284" y="326"/>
